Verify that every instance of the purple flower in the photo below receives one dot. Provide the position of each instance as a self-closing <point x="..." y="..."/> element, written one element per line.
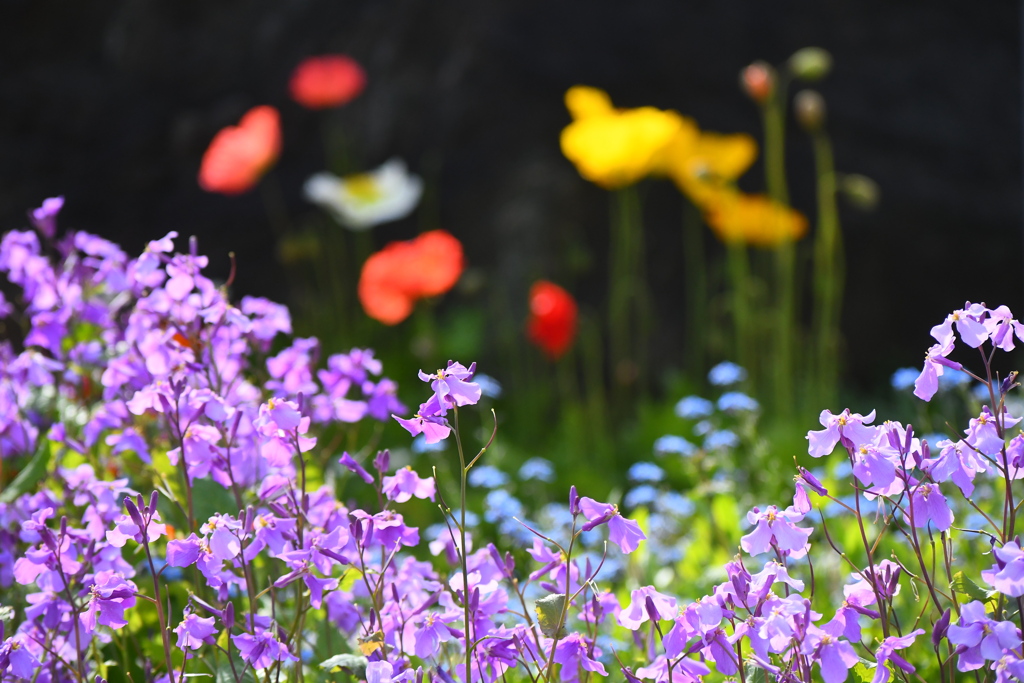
<point x="981" y="639"/>
<point x="45" y="217"/>
<point x="1007" y="575"/>
<point x="1002" y="327"/>
<point x="637" y="613"/>
<point x="193" y="631"/>
<point x="349" y="462"/>
<point x="434" y="428"/>
<point x="183" y="552"/>
<point x="776" y="528"/>
<point x="968" y="324"/>
<point x="983" y="434"/>
<point x="453" y="385"/>
<point x="886" y="652"/>
<point x="573" y="652"/>
<point x="111" y="594"/>
<point x="928" y="505"/>
<point x="625" y="533"/>
<point x="835" y="657"/>
<point x="851" y="426"/>
<point x="428" y="636"/>
<point x="406" y="484"/>
<point x="956" y="462"/>
<point x="684" y="670"/>
<point x="262" y="650"/>
<point x="935" y="360"/>
<point x="17" y="659"/>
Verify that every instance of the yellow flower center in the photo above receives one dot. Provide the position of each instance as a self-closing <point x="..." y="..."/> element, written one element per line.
<point x="363" y="187"/>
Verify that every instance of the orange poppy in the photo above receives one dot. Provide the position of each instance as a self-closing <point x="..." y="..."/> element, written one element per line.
<point x="553" y="318"/>
<point x="400" y="274"/>
<point x="328" y="81"/>
<point x="238" y="156"/>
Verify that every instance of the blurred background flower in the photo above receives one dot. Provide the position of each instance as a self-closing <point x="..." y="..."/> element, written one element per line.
<point x="363" y="200"/>
<point x="402" y="273"/>
<point x="553" y="319"/>
<point x="238" y="156"/>
<point x="327" y="81"/>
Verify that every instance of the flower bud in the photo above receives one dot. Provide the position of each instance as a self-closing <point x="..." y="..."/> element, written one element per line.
<point x="810" y="64"/>
<point x="382" y="461"/>
<point x="809" y="107"/>
<point x="859" y="190"/>
<point x="941" y="626"/>
<point x="758" y="81"/>
<point x="228" y="615"/>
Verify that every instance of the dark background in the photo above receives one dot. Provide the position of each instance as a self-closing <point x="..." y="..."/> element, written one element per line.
<point x="113" y="103"/>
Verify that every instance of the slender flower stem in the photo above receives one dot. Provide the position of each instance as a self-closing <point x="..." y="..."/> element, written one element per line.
<point x="159" y="606"/>
<point x="462" y="542"/>
<point x="739" y="274"/>
<point x="829" y="272"/>
<point x="773" y="113"/>
<point x="695" y="261"/>
<point x="565" y="605"/>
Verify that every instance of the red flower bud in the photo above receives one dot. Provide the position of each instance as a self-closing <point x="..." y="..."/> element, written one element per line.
<point x="328" y="81"/>
<point x="553" y="319"/>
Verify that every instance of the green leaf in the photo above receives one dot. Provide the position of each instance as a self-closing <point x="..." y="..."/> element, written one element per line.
<point x="354" y="664"/>
<point x="861" y="673"/>
<point x="28" y="477"/>
<point x="963" y="585"/>
<point x="224" y="674"/>
<point x="754" y="673"/>
<point x="549" y="613"/>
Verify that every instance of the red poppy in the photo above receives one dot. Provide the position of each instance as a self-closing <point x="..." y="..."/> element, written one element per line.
<point x="553" y="318"/>
<point x="238" y="156"/>
<point x="402" y="273"/>
<point x="328" y="81"/>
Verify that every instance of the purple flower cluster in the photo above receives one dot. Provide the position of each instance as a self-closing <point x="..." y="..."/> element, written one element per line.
<point x="140" y="374"/>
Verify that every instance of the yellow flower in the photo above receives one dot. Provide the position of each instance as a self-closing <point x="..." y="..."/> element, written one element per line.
<point x="754" y="220"/>
<point x="583" y="101"/>
<point x="703" y="165"/>
<point x="615" y="147"/>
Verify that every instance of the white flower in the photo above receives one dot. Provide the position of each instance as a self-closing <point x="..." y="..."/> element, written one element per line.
<point x="363" y="200"/>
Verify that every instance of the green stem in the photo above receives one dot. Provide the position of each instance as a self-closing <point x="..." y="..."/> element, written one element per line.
<point x="783" y="363"/>
<point x="739" y="274"/>
<point x="829" y="273"/>
<point x="695" y="260"/>
<point x="629" y="305"/>
<point x="463" y="550"/>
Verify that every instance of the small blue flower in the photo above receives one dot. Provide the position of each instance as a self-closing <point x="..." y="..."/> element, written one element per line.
<point x="737" y="402"/>
<point x="644" y="494"/>
<point x="646" y="471"/>
<point x="673" y="444"/>
<point x="556" y="516"/>
<point x="472" y="519"/>
<point x="721" y="440"/>
<point x="726" y="373"/>
<point x="675" y="503"/>
<point x="501" y="506"/>
<point x="694" y="408"/>
<point x="489" y="386"/>
<point x="487" y="476"/>
<point x="933" y="439"/>
<point x="420" y="445"/>
<point x="702" y="427"/>
<point x="537" y="468"/>
<point x="950" y="379"/>
<point x="904" y="378"/>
